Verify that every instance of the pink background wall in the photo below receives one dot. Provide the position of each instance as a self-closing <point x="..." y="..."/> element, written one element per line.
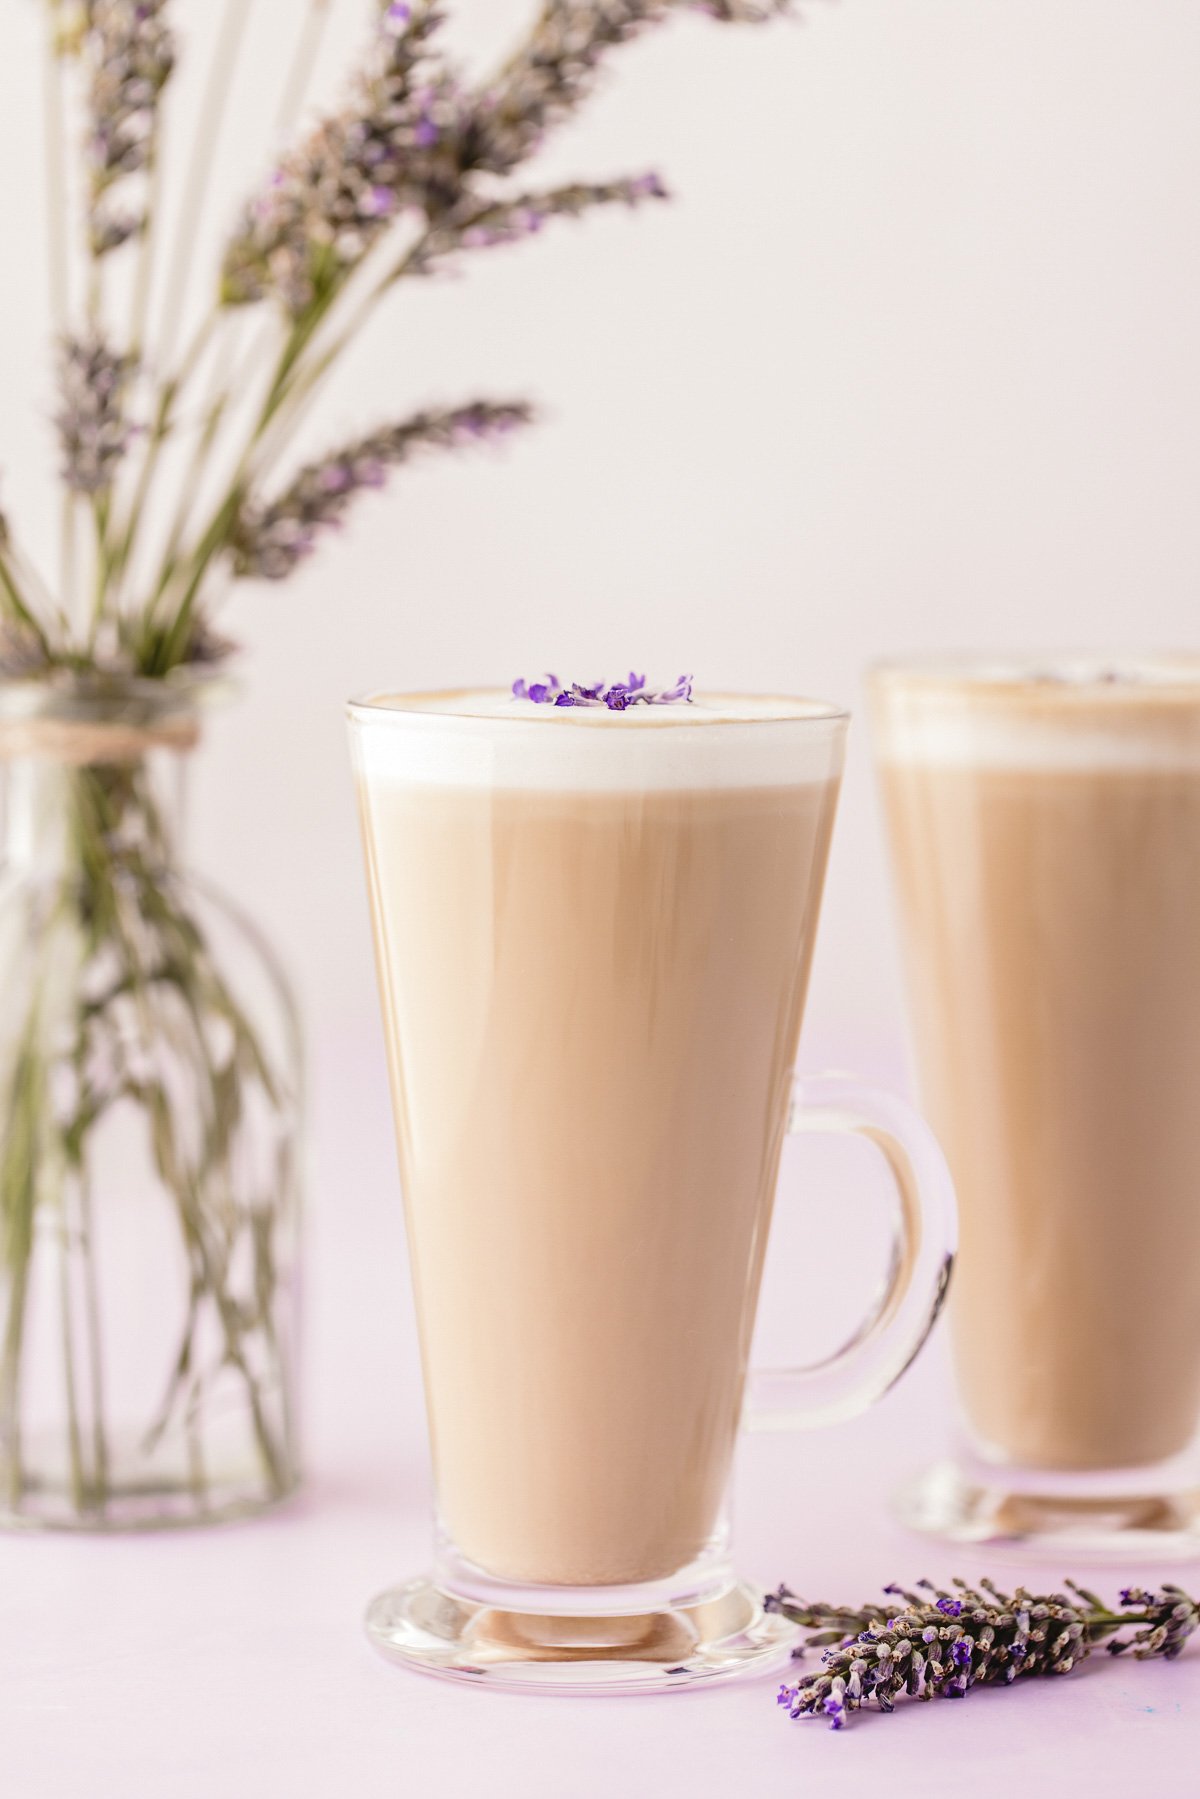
<point x="912" y="362"/>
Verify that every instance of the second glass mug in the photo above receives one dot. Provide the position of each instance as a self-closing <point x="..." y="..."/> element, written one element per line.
<point x="593" y="936"/>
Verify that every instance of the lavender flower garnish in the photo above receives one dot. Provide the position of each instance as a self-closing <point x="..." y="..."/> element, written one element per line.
<point x="618" y="696"/>
<point x="93" y="433"/>
<point x="268" y="541"/>
<point x="942" y="1648"/>
<point x="130" y="50"/>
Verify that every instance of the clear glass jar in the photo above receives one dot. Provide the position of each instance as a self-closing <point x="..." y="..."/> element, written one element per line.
<point x="150" y="1091"/>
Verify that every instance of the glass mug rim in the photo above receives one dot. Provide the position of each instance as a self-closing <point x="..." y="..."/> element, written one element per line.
<point x="1117" y="674"/>
<point x="417" y="707"/>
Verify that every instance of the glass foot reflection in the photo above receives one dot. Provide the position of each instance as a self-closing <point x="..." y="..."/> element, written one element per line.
<point x="1079" y="1518"/>
<point x="421" y="1626"/>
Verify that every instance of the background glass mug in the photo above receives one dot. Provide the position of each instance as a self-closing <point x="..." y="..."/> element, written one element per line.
<point x="593" y="934"/>
<point x="1045" y="829"/>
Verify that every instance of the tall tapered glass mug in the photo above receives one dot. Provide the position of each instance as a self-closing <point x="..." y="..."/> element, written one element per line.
<point x="593" y="930"/>
<point x="1045" y="826"/>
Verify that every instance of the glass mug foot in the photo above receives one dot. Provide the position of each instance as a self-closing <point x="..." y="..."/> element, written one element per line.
<point x="1145" y="1521"/>
<point x="724" y="1636"/>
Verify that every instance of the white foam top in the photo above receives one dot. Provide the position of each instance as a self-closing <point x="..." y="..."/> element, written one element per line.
<point x="487" y="738"/>
<point x="1068" y="712"/>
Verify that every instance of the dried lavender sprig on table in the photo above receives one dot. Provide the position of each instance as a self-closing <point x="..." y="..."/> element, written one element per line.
<point x="939" y="1644"/>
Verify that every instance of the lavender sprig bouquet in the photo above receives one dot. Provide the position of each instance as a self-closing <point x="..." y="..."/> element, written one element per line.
<point x="939" y="1644"/>
<point x="417" y="169"/>
<point x="175" y="488"/>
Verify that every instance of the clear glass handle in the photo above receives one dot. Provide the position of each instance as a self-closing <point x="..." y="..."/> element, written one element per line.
<point x="911" y="1297"/>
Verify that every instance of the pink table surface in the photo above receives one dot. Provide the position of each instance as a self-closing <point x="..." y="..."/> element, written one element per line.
<point x="232" y="1662"/>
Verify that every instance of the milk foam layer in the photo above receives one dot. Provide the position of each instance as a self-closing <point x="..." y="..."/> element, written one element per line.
<point x="487" y="738"/>
<point x="1064" y="713"/>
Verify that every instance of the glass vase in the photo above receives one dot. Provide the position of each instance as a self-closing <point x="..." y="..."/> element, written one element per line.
<point x="149" y="1116"/>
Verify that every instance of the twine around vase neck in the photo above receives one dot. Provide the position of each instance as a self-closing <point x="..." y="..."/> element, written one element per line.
<point x="113" y="758"/>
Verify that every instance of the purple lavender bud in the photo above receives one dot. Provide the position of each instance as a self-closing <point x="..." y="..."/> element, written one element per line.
<point x="951" y="1608"/>
<point x="397" y="17"/>
<point x="564" y="699"/>
<point x="377" y="203"/>
<point x="336" y="478"/>
<point x="538" y="692"/>
<point x="520" y="691"/>
<point x="960" y="1654"/>
<point x="426" y="133"/>
<point x="835" y="1711"/>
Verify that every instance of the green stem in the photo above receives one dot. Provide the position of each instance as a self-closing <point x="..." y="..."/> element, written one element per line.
<point x="301" y="391"/>
<point x="79" y="1485"/>
<point x="18" y="1204"/>
<point x="173" y="645"/>
<point x="101" y="512"/>
<point x="303" y="62"/>
<point x="95" y="1338"/>
<point x="200" y="165"/>
<point x="54" y="125"/>
<point x="147" y="244"/>
<point x="287" y="387"/>
<point x="10" y="589"/>
<point x="99" y="823"/>
<point x="162" y="428"/>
